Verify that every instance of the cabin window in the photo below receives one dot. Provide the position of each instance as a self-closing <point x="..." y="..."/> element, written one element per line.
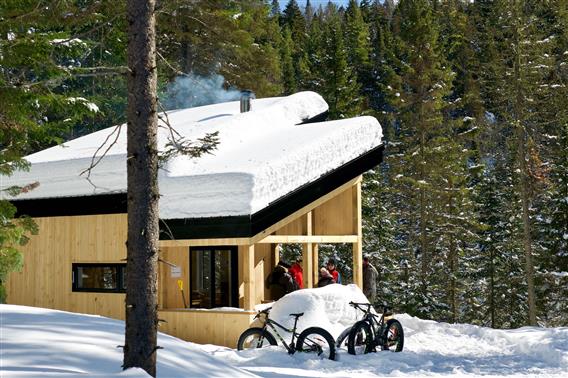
<point x="100" y="278"/>
<point x="213" y="278"/>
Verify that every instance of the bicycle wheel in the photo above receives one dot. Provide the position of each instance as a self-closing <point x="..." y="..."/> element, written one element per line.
<point x="316" y="340"/>
<point x="360" y="339"/>
<point x="342" y="339"/>
<point x="393" y="336"/>
<point x="251" y="338"/>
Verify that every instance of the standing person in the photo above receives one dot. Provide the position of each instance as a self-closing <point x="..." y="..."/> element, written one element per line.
<point x="334" y="273"/>
<point x="280" y="281"/>
<point x="370" y="276"/>
<point x="297" y="272"/>
<point x="325" y="278"/>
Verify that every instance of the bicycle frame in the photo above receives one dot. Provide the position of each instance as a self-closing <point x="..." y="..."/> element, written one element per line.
<point x="272" y="323"/>
<point x="377" y="326"/>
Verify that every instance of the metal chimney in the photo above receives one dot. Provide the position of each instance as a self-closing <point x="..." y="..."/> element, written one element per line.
<point x="246" y="98"/>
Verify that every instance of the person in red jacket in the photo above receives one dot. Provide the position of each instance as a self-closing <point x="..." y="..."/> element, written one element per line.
<point x="297" y="273"/>
<point x="334" y="273"/>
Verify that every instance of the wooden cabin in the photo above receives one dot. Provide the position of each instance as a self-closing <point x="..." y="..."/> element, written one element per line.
<point x="280" y="175"/>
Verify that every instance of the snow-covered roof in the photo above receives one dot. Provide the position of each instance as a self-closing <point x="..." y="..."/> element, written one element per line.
<point x="262" y="155"/>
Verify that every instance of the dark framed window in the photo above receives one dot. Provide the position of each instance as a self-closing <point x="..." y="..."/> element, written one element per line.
<point x="99" y="277"/>
<point x="213" y="280"/>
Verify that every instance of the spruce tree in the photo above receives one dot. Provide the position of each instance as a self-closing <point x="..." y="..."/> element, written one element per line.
<point x="339" y="87"/>
<point x="293" y="20"/>
<point x="422" y="175"/>
<point x="289" y="82"/>
<point x="238" y="40"/>
<point x="357" y="44"/>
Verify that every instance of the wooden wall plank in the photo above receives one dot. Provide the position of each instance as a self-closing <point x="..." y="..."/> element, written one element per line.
<point x="270" y="239"/>
<point x="169" y="289"/>
<point x="334" y="217"/>
<point x="46" y="279"/>
<point x="211" y="327"/>
<point x="295" y="227"/>
<point x="204" y="242"/>
<point x="261" y="235"/>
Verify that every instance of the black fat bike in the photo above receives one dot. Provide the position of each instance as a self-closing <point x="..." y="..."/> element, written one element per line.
<point x="374" y="332"/>
<point x="311" y="340"/>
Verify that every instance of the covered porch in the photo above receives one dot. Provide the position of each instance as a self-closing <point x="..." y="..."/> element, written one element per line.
<point x="223" y="279"/>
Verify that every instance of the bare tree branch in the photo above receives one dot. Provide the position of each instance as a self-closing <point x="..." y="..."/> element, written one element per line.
<point x="94" y="160"/>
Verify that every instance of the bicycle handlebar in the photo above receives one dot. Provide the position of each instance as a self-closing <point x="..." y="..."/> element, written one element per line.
<point x="368" y="305"/>
<point x="265" y="312"/>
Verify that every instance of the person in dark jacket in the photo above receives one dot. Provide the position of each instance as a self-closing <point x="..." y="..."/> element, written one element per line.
<point x="280" y="282"/>
<point x="325" y="278"/>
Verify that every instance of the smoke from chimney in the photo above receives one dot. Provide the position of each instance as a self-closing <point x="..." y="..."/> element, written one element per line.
<point x="196" y="90"/>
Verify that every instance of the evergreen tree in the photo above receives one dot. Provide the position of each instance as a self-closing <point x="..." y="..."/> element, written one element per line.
<point x="312" y="71"/>
<point x="309" y="13"/>
<point x="357" y="45"/>
<point x="275" y="9"/>
<point x="293" y="20"/>
<point x="339" y="87"/>
<point x="288" y="70"/>
<point x="238" y="40"/>
<point x="551" y="201"/>
<point x="430" y="190"/>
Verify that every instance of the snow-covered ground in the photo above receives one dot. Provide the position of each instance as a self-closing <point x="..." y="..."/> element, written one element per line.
<point x="38" y="342"/>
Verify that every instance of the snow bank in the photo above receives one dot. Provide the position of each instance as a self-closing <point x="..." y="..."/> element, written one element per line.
<point x="263" y="155"/>
<point x="326" y="307"/>
<point x="431" y="349"/>
<point x="41" y="342"/>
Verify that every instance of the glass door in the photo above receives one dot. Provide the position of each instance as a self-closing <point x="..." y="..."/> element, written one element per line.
<point x="213" y="277"/>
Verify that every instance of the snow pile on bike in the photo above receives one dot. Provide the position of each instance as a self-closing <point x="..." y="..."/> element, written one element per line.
<point x="327" y="307"/>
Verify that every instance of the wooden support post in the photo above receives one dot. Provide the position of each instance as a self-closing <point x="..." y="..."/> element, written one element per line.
<point x="358" y="230"/>
<point x="274" y="254"/>
<point x="315" y="264"/>
<point x="248" y="278"/>
<point x="307" y="265"/>
<point x="307" y="254"/>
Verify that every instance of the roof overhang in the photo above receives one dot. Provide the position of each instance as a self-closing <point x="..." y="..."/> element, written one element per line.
<point x="242" y="226"/>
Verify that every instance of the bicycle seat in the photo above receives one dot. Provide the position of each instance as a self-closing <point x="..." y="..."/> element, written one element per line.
<point x="297" y="315"/>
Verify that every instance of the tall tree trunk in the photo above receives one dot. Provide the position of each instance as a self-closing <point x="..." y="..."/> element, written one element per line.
<point x="425" y="262"/>
<point x="453" y="263"/>
<point x="492" y="287"/>
<point x="522" y="164"/>
<point x="527" y="242"/>
<point x="142" y="167"/>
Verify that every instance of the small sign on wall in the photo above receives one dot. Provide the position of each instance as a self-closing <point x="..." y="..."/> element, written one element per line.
<point x="175" y="271"/>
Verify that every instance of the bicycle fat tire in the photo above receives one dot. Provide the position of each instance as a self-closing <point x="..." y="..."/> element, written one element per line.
<point x="249" y="339"/>
<point x="393" y="334"/>
<point x="316" y="340"/>
<point x="360" y="339"/>
<point x="342" y="339"/>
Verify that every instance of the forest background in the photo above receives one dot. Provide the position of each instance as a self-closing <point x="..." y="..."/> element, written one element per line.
<point x="467" y="217"/>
